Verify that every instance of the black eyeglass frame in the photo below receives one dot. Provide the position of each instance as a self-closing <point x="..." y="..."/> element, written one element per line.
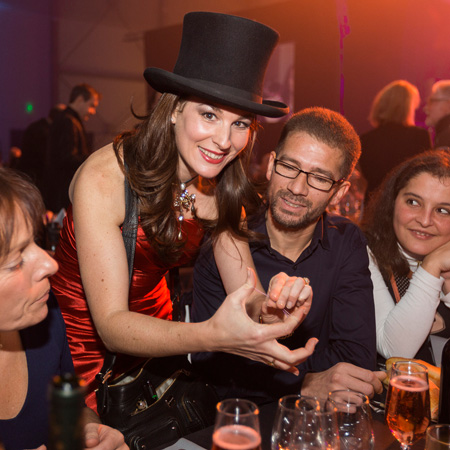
<point x="299" y="171"/>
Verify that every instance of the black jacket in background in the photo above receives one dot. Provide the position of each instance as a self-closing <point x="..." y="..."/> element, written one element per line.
<point x="388" y="145"/>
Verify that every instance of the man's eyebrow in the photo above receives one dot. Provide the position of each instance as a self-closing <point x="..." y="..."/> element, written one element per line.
<point x="317" y="170"/>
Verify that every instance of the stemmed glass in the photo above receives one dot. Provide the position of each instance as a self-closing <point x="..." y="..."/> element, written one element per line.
<point x="302" y="424"/>
<point x="236" y="426"/>
<point x="286" y="418"/>
<point x="316" y="428"/>
<point x="354" y="419"/>
<point x="408" y="402"/>
<point x="438" y="437"/>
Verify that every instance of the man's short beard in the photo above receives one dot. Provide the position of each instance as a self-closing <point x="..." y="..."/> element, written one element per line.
<point x="291" y="221"/>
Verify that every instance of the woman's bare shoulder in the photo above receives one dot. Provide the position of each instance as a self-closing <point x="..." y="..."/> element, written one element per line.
<point x="99" y="173"/>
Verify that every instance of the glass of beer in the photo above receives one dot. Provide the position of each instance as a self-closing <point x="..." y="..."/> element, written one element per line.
<point x="408" y="402"/>
<point x="438" y="437"/>
<point x="236" y="426"/>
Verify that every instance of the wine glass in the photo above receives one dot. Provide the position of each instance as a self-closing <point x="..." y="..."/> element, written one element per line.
<point x="316" y="427"/>
<point x="284" y="423"/>
<point x="354" y="419"/>
<point x="438" y="437"/>
<point x="236" y="426"/>
<point x="408" y="402"/>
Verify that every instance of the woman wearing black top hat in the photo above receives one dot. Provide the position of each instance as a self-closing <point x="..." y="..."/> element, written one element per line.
<point x="185" y="164"/>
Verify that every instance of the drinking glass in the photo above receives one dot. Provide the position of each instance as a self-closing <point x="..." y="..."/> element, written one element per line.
<point x="408" y="402"/>
<point x="316" y="427"/>
<point x="286" y="418"/>
<point x="236" y="426"/>
<point x="354" y="419"/>
<point x="438" y="437"/>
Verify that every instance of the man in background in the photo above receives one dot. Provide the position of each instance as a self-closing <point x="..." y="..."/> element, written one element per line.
<point x="68" y="145"/>
<point x="437" y="110"/>
<point x="307" y="172"/>
<point x="34" y="146"/>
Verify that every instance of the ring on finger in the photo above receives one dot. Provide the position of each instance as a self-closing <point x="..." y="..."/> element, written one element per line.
<point x="306" y="280"/>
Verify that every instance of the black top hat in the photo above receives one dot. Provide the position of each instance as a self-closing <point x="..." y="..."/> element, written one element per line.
<point x="222" y="58"/>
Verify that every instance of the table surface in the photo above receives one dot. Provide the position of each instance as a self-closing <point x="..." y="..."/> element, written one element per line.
<point x="383" y="437"/>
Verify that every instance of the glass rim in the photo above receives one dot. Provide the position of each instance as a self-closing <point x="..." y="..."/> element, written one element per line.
<point x="410" y="363"/>
<point x="438" y="426"/>
<point x="363" y="396"/>
<point x="286" y="398"/>
<point x="311" y="399"/>
<point x="253" y="411"/>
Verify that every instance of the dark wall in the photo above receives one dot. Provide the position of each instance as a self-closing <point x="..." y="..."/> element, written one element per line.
<point x="311" y="25"/>
<point x="25" y="75"/>
<point x="390" y="40"/>
<point x="345" y="51"/>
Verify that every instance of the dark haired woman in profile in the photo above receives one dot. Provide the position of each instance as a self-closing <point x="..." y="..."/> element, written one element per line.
<point x="33" y="343"/>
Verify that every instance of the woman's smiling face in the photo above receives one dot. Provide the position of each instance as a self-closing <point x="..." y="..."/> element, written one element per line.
<point x="209" y="136"/>
<point x="422" y="215"/>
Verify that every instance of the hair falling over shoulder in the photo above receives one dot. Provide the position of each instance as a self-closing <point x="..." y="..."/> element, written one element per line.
<point x="151" y="156"/>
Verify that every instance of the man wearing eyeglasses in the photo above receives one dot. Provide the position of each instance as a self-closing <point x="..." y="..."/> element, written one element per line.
<point x="437" y="110"/>
<point x="307" y="172"/>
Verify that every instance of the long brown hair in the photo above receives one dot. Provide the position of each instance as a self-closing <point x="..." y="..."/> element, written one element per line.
<point x="151" y="155"/>
<point x="18" y="194"/>
<point x="378" y="218"/>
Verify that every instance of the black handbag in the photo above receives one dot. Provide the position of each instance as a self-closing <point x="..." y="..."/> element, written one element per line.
<point x="160" y="400"/>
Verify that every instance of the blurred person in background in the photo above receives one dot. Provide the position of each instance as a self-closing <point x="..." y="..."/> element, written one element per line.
<point x="437" y="110"/>
<point x="34" y="147"/>
<point x="395" y="136"/>
<point x="68" y="145"/>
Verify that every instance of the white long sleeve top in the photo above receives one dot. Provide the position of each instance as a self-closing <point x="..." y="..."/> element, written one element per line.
<point x="403" y="327"/>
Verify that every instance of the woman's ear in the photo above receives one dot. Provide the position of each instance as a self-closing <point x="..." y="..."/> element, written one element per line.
<point x="173" y="117"/>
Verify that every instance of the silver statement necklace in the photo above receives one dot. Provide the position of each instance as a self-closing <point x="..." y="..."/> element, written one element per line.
<point x="184" y="201"/>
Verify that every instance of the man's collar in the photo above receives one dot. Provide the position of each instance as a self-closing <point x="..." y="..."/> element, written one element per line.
<point x="258" y="223"/>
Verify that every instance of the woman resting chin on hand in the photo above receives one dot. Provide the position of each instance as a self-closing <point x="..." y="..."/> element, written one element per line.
<point x="407" y="224"/>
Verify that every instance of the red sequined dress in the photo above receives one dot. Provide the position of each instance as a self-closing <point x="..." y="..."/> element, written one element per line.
<point x="148" y="295"/>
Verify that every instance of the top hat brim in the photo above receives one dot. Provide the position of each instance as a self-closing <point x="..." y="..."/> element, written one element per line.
<point x="164" y="81"/>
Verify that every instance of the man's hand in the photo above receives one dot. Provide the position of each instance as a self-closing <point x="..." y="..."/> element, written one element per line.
<point x="235" y="332"/>
<point x="102" y="437"/>
<point x="343" y="376"/>
<point x="287" y="294"/>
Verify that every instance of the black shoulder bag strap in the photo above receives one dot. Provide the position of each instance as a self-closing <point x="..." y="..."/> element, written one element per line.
<point x="129" y="235"/>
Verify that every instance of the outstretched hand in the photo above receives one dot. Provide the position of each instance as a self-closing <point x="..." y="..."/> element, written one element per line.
<point x="236" y="333"/>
